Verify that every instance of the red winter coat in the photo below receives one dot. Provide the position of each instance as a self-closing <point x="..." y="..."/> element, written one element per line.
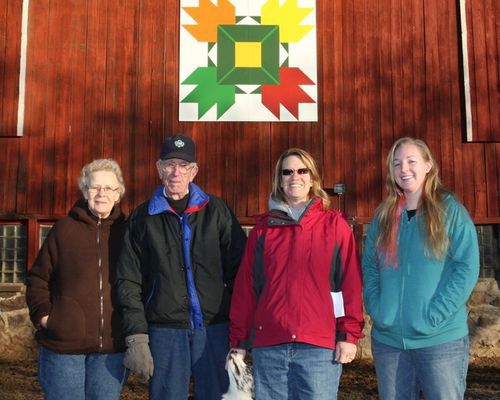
<point x="282" y="289"/>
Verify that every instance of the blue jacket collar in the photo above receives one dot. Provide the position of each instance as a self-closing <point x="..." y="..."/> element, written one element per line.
<point x="159" y="203"/>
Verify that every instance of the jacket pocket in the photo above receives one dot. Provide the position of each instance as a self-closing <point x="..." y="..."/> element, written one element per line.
<point x="419" y="323"/>
<point x="66" y="320"/>
<point x="383" y="321"/>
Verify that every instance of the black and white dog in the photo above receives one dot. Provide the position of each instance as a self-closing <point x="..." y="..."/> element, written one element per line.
<point x="240" y="378"/>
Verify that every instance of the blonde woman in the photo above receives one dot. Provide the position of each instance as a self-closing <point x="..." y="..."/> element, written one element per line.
<point x="420" y="264"/>
<point x="297" y="294"/>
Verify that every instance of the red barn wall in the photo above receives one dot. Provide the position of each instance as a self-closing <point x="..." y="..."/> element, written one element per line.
<point x="102" y="81"/>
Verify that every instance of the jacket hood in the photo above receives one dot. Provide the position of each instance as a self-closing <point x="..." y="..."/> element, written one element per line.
<point x="276" y="205"/>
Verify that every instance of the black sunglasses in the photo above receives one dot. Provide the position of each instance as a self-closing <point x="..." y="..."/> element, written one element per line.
<point x="300" y="171"/>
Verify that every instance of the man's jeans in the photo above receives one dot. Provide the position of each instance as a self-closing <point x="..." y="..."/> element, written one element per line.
<point x="295" y="371"/>
<point x="92" y="376"/>
<point x="439" y="371"/>
<point x="179" y="352"/>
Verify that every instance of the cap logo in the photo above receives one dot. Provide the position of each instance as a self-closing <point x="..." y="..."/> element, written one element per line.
<point x="179" y="143"/>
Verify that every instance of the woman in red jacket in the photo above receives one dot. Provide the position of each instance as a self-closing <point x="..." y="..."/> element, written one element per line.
<point x="69" y="293"/>
<point x="297" y="296"/>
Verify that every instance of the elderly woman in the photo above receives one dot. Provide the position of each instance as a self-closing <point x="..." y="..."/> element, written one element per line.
<point x="69" y="293"/>
<point x="297" y="294"/>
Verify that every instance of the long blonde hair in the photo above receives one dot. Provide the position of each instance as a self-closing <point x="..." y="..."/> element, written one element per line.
<point x="430" y="207"/>
<point x="308" y="160"/>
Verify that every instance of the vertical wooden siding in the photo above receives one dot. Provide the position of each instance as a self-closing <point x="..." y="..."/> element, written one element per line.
<point x="10" y="45"/>
<point x="102" y="81"/>
<point x="483" y="24"/>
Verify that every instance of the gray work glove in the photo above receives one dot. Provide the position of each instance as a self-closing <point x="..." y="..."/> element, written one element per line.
<point x="138" y="357"/>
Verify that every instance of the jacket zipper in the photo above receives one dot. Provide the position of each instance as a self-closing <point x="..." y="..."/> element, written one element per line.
<point x="404" y="273"/>
<point x="101" y="299"/>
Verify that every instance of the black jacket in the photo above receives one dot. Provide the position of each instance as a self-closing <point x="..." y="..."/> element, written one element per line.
<point x="151" y="277"/>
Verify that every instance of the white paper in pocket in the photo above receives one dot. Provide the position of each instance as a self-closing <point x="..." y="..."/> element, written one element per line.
<point x="338" y="304"/>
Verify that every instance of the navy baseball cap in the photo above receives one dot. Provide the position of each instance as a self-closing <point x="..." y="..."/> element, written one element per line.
<point x="178" y="146"/>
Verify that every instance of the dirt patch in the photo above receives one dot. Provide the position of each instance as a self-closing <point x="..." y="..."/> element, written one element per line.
<point x="18" y="381"/>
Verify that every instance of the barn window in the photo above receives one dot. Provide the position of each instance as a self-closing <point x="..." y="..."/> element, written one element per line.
<point x="42" y="233"/>
<point x="12" y="253"/>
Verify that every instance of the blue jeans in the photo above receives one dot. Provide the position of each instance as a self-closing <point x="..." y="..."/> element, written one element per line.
<point x="178" y="353"/>
<point x="439" y="371"/>
<point x="295" y="371"/>
<point x="92" y="376"/>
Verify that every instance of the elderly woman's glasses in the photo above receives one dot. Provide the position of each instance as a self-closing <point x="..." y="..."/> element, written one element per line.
<point x="183" y="167"/>
<point x="300" y="171"/>
<point x="104" y="189"/>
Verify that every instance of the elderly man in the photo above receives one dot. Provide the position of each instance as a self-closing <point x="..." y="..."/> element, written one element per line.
<point x="175" y="276"/>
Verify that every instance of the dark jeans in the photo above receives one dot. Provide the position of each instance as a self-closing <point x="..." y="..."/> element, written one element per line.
<point x="178" y="353"/>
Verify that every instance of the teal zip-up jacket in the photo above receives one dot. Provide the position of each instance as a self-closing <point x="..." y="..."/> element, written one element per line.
<point x="422" y="302"/>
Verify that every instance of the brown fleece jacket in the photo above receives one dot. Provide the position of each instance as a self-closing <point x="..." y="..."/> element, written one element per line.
<point x="64" y="283"/>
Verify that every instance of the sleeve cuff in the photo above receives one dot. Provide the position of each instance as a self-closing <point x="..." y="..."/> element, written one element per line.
<point x="345" y="337"/>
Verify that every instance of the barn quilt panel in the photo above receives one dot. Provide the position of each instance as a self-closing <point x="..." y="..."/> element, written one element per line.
<point x="248" y="60"/>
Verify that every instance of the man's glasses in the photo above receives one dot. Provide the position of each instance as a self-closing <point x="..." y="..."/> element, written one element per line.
<point x="105" y="189"/>
<point x="300" y="171"/>
<point x="183" y="167"/>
